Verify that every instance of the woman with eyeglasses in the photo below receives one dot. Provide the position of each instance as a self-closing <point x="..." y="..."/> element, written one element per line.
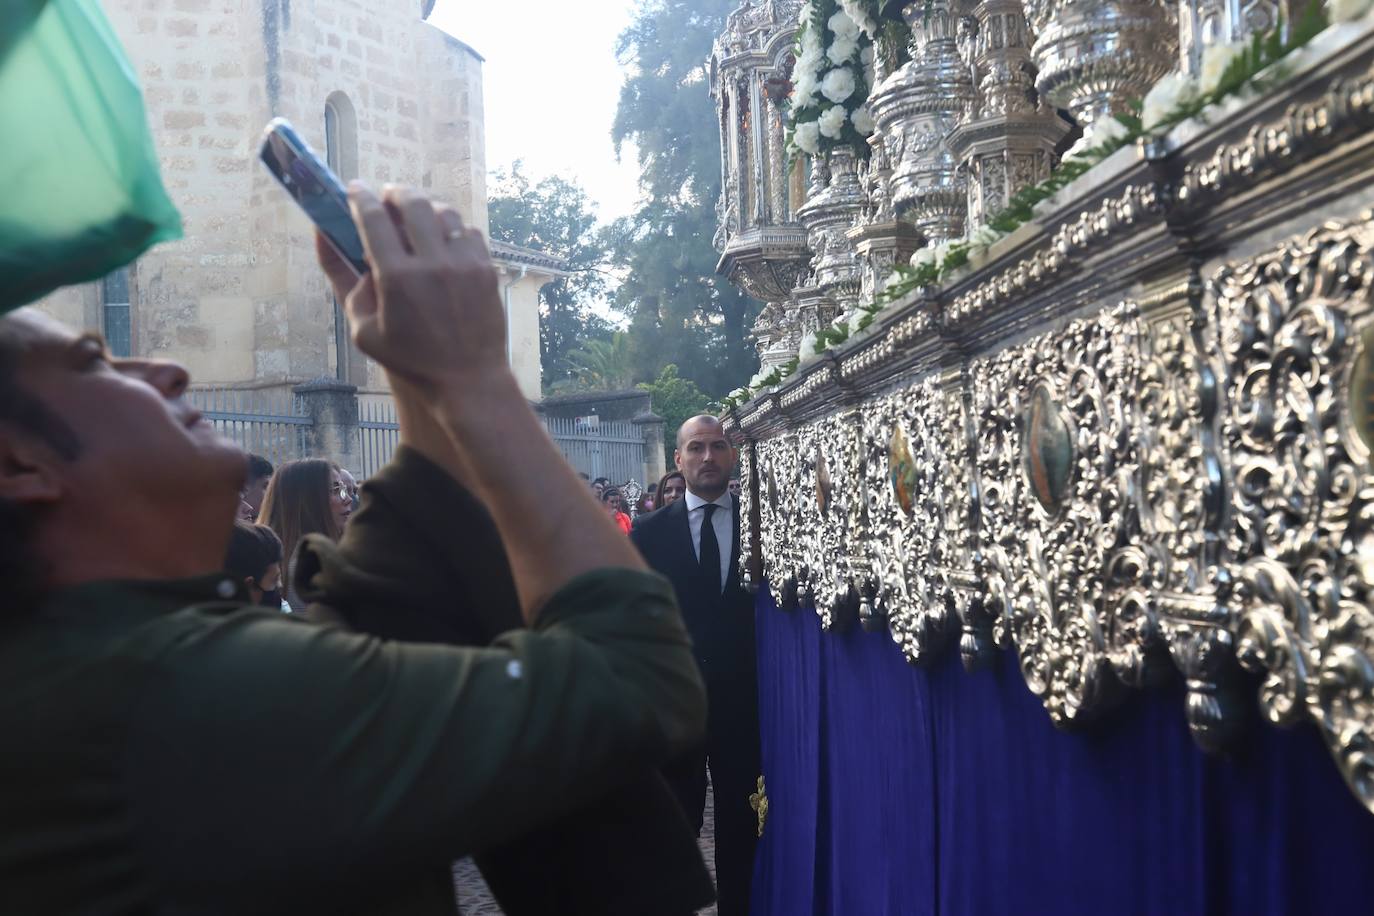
<point x="308" y="496"/>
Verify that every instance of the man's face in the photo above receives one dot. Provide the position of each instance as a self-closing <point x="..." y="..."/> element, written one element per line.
<point x="734" y="486"/>
<point x="705" y="457"/>
<point x="253" y="493"/>
<point x="139" y="439"/>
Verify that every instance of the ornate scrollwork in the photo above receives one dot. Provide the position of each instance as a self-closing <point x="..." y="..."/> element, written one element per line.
<point x="1301" y="533"/>
<point x="1052" y="567"/>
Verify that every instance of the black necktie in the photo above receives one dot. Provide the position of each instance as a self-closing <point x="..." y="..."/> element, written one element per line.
<point x="710" y="548"/>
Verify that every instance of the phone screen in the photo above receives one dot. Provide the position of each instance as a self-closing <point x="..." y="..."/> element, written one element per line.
<point x="320" y="194"/>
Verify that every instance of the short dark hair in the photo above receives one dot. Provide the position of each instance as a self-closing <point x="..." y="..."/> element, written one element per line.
<point x="258" y="468"/>
<point x="20" y="568"/>
<point x="609" y="492"/>
<point x="252" y="548"/>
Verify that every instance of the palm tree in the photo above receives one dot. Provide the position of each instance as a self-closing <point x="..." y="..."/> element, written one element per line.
<point x="600" y="365"/>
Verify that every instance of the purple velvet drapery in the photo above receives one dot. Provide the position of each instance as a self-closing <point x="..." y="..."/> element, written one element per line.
<point x="902" y="790"/>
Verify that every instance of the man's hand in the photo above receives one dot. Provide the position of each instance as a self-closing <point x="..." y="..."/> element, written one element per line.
<point x="429" y="309"/>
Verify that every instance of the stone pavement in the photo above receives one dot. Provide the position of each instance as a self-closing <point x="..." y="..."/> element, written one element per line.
<point x="474" y="899"/>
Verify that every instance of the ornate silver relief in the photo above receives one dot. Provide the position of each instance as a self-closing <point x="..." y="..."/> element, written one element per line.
<point x="1059" y="512"/>
<point x="1093" y="57"/>
<point x="1301" y="534"/>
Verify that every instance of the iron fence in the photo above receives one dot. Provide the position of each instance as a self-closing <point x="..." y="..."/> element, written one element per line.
<point x="266" y="422"/>
<point x="378" y="432"/>
<point x="613" y="449"/>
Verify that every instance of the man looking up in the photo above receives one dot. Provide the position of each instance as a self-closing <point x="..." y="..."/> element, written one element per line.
<point x="694" y="541"/>
<point x="167" y="750"/>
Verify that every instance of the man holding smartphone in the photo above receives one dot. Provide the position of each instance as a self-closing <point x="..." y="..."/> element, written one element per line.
<point x="167" y="750"/>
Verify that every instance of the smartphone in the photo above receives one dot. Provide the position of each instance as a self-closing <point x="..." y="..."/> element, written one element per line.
<point x="317" y="189"/>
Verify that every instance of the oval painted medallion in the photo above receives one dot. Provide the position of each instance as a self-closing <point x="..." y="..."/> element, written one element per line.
<point x="1047" y="448"/>
<point x="901" y="469"/>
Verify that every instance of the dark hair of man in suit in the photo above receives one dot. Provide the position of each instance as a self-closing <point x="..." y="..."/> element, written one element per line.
<point x="705" y="456"/>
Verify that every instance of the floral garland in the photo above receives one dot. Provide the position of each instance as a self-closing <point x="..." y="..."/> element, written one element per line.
<point x="1227" y="71"/>
<point x="832" y="78"/>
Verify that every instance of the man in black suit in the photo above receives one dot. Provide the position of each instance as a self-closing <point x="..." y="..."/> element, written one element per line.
<point x="694" y="542"/>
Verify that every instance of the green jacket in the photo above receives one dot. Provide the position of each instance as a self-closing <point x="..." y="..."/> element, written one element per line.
<point x="163" y="748"/>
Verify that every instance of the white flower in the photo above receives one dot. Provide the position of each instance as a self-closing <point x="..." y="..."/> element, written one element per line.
<point x="923" y="258"/>
<point x="858" y="13"/>
<point x="1348" y="10"/>
<point x="739" y="393"/>
<point x="863" y="121"/>
<point x="807" y="137"/>
<point x="866" y="55"/>
<point x="1215" y="59"/>
<point x="842" y="50"/>
<point x="838" y="85"/>
<point x="1166" y="95"/>
<point x="843" y="26"/>
<point x="832" y="121"/>
<point x="804" y="89"/>
<point x="941" y="252"/>
<point x="1103" y="130"/>
<point x="806" y="352"/>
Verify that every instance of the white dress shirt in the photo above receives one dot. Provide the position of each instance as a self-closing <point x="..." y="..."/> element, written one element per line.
<point x="723" y="521"/>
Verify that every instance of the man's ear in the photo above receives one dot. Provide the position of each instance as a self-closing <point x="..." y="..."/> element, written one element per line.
<point x="677" y="458"/>
<point x="30" y="472"/>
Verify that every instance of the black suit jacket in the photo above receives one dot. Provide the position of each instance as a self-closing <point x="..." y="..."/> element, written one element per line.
<point x="721" y="625"/>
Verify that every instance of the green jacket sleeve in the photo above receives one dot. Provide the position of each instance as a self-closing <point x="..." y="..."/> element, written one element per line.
<point x="421" y="560"/>
<point x="319" y="751"/>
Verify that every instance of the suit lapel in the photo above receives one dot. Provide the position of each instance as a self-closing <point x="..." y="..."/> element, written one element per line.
<point x="682" y="541"/>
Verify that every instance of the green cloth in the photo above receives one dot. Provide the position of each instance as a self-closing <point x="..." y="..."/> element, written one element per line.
<point x="80" y="190"/>
<point x="167" y="749"/>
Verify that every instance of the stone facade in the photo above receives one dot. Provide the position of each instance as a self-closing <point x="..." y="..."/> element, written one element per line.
<point x="240" y="298"/>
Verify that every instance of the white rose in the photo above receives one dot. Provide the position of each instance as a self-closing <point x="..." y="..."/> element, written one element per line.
<point x="863" y="121"/>
<point x="842" y="50"/>
<point x="923" y="258"/>
<point x="1348" y="10"/>
<point x="1166" y="95"/>
<point x="857" y="12"/>
<point x="806" y="351"/>
<point x="866" y="55"/>
<point x="941" y="252"/>
<point x="804" y="89"/>
<point x="1104" y="129"/>
<point x="832" y="121"/>
<point x="739" y="393"/>
<point x="843" y="26"/>
<point x="838" y="85"/>
<point x="1215" y="59"/>
<point x="807" y="137"/>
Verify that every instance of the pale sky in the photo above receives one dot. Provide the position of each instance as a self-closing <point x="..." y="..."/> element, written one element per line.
<point x="550" y="85"/>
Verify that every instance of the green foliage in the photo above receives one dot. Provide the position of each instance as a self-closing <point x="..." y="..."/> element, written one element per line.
<point x="599" y="365"/>
<point x="556" y="217"/>
<point x="676" y="400"/>
<point x="681" y="313"/>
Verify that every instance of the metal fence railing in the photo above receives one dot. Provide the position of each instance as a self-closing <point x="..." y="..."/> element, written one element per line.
<point x="378" y="431"/>
<point x="267" y="422"/>
<point x="600" y="448"/>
